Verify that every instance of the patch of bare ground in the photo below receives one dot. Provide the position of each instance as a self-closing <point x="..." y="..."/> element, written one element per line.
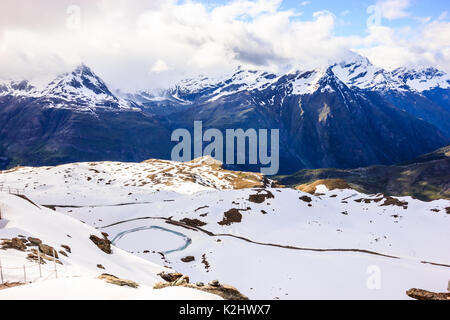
<point x="261" y="196"/>
<point x="117" y="281"/>
<point x="170" y="277"/>
<point x="193" y="222"/>
<point x="188" y="259"/>
<point x="306" y="199"/>
<point x="205" y="165"/>
<point x="447" y="210"/>
<point x="46" y="252"/>
<point x="388" y="201"/>
<point x="103" y="244"/>
<point x="227" y="292"/>
<point x="8" y="285"/>
<point x="231" y="216"/>
<point x="420" y="294"/>
<point x="331" y="184"/>
<point x="205" y="262"/>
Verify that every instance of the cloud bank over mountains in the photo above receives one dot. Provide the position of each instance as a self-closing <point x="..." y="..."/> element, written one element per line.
<point x="142" y="44"/>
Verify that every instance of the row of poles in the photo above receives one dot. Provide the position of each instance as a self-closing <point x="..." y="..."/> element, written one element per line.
<point x="11" y="190"/>
<point x="55" y="270"/>
<point x="21" y="192"/>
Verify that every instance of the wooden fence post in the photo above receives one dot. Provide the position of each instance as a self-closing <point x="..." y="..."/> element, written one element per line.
<point x="1" y="271"/>
<point x="54" y="263"/>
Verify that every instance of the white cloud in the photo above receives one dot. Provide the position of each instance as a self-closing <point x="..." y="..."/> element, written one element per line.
<point x="394" y="9"/>
<point x="425" y="46"/>
<point x="142" y="44"/>
<point x="159" y="66"/>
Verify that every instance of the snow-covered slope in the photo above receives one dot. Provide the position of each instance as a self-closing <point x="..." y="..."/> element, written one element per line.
<point x="212" y="88"/>
<point x="355" y="72"/>
<point x="270" y="243"/>
<point x="80" y="90"/>
<point x="17" y="88"/>
<point x="79" y="266"/>
<point x="121" y="182"/>
<point x="359" y="72"/>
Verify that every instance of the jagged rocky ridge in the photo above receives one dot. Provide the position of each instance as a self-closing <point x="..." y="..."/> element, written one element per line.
<point x="376" y="116"/>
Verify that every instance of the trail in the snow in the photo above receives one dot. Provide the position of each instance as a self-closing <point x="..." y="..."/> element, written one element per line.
<point x="209" y="233"/>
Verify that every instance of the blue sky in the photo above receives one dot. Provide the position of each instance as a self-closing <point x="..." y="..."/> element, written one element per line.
<point x="351" y="15"/>
<point x="151" y="43"/>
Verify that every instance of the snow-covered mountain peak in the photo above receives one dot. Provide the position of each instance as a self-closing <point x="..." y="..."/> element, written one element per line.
<point x="360" y="72"/>
<point x="81" y="88"/>
<point x="82" y="79"/>
<point x="17" y="88"/>
<point x="215" y="87"/>
<point x="422" y="79"/>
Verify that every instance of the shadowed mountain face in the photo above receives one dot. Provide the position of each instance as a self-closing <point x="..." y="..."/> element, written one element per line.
<point x="425" y="178"/>
<point x="348" y="115"/>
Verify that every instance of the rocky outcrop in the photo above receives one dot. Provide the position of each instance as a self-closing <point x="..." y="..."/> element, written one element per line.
<point x="14" y="243"/>
<point x="35" y="241"/>
<point x="231" y="216"/>
<point x="331" y="184"/>
<point x="117" y="281"/>
<point x="170" y="277"/>
<point x="261" y="196"/>
<point x="48" y="250"/>
<point x="420" y="294"/>
<point x="67" y="248"/>
<point x="193" y="222"/>
<point x="103" y="244"/>
<point x="214" y="287"/>
<point x="188" y="259"/>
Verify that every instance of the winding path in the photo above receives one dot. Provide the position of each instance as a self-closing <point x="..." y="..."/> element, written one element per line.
<point x="211" y="234"/>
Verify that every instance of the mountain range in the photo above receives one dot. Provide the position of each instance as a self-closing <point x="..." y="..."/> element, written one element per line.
<point x="345" y="115"/>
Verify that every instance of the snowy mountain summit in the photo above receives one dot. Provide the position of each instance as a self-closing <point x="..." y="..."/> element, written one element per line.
<point x="81" y="90"/>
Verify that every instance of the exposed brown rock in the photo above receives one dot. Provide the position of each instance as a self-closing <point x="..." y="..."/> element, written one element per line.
<point x="214" y="287"/>
<point x="305" y="199"/>
<point x="331" y="184"/>
<point x="14" y="243"/>
<point x="117" y="281"/>
<point x="389" y="201"/>
<point x="231" y="216"/>
<point x="35" y="241"/>
<point x="67" y="248"/>
<point x="10" y="285"/>
<point x="188" y="259"/>
<point x="33" y="257"/>
<point x="205" y="262"/>
<point x="48" y="250"/>
<point x="420" y="294"/>
<point x="100" y="266"/>
<point x="170" y="277"/>
<point x="261" y="196"/>
<point x="103" y="244"/>
<point x="193" y="222"/>
<point x="214" y="283"/>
